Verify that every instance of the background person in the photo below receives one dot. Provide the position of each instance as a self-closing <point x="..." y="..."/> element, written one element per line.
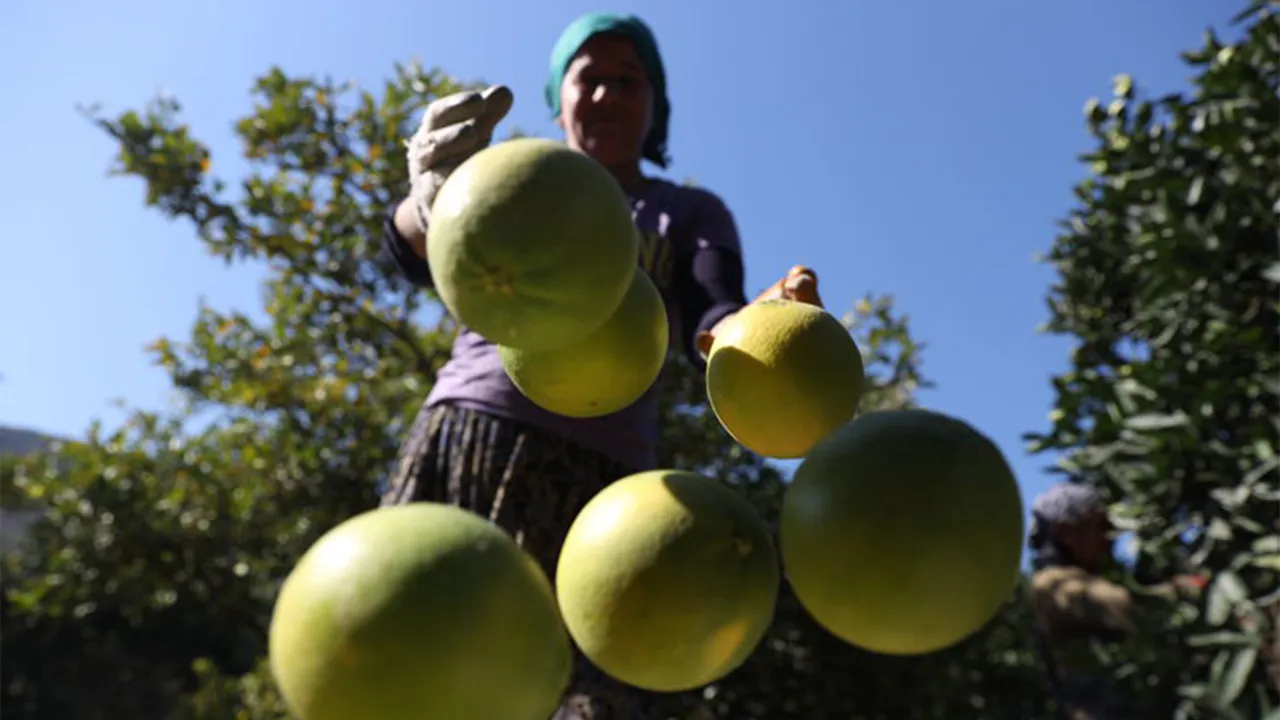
<point x="1076" y="608"/>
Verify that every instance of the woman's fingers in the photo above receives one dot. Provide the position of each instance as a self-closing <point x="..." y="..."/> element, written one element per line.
<point x="801" y="285"/>
<point x="704" y="341"/>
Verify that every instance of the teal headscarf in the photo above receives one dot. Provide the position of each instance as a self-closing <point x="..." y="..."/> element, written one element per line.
<point x="635" y="30"/>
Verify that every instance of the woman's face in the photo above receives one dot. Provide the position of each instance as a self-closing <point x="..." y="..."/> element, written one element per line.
<point x="606" y="101"/>
<point x="1089" y="541"/>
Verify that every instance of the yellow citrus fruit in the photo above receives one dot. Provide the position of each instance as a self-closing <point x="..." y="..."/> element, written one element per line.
<point x="901" y="532"/>
<point x="418" y="611"/>
<point x="532" y="244"/>
<point x="606" y="371"/>
<point x="783" y="375"/>
<point x="667" y="580"/>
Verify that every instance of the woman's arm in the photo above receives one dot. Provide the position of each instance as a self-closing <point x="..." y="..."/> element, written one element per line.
<point x="708" y="273"/>
<point x="710" y="278"/>
<point x="710" y="283"/>
<point x="800" y="284"/>
<point x="404" y="244"/>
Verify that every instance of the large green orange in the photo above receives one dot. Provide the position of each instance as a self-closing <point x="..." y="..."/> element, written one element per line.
<point x="418" y="611"/>
<point x="667" y="580"/>
<point x="532" y="244"/>
<point x="902" y="531"/>
<point x="604" y="372"/>
<point x="783" y="375"/>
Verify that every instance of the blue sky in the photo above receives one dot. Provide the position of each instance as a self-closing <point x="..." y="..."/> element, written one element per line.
<point x="924" y="150"/>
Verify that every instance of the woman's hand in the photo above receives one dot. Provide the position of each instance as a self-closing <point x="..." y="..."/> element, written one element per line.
<point x="799" y="284"/>
<point x="453" y="128"/>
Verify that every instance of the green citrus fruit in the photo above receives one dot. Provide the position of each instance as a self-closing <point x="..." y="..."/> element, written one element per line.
<point x="604" y="372"/>
<point x="667" y="580"/>
<point x="901" y="532"/>
<point x="783" y="375"/>
<point x="532" y="244"/>
<point x="418" y="611"/>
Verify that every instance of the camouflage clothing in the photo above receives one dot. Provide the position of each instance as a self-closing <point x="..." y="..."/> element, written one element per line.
<point x="1080" y="617"/>
<point x="530" y="483"/>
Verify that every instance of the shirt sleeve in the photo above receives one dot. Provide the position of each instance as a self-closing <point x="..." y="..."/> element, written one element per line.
<point x="709" y="277"/>
<point x="397" y="250"/>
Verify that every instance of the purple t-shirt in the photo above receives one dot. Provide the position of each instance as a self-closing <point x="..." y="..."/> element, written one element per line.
<point x="689" y="246"/>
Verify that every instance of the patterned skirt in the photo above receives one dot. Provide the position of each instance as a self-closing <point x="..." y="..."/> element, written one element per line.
<point x="528" y="482"/>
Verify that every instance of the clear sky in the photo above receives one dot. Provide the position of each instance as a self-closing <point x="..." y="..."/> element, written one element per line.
<point x="924" y="151"/>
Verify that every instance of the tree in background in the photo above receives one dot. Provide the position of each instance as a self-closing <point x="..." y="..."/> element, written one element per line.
<point x="166" y="539"/>
<point x="147" y="589"/>
<point x="1167" y="272"/>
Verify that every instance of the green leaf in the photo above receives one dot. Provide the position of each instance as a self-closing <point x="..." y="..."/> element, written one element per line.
<point x="1237" y="674"/>
<point x="1157" y="421"/>
<point x="1225" y="592"/>
<point x="1272" y="272"/>
<point x="1259" y="472"/>
<point x="1225" y="638"/>
<point x="1266" y="562"/>
<point x="1195" y="191"/>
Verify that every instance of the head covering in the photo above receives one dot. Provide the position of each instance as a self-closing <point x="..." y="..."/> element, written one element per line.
<point x="635" y="30"/>
<point x="1068" y="503"/>
<point x="1065" y="504"/>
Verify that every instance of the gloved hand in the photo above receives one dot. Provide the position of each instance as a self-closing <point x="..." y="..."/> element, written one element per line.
<point x="799" y="284"/>
<point x="453" y="129"/>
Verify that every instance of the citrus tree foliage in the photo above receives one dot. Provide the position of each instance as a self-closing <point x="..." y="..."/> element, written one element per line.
<point x="1167" y="271"/>
<point x="147" y="589"/>
<point x="165" y="538"/>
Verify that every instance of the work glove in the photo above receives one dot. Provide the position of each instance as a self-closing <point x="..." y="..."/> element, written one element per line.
<point x="453" y="129"/>
<point x="799" y="284"/>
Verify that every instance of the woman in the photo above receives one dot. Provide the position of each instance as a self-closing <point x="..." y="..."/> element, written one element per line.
<point x="478" y="442"/>
<point x="1076" y="609"/>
